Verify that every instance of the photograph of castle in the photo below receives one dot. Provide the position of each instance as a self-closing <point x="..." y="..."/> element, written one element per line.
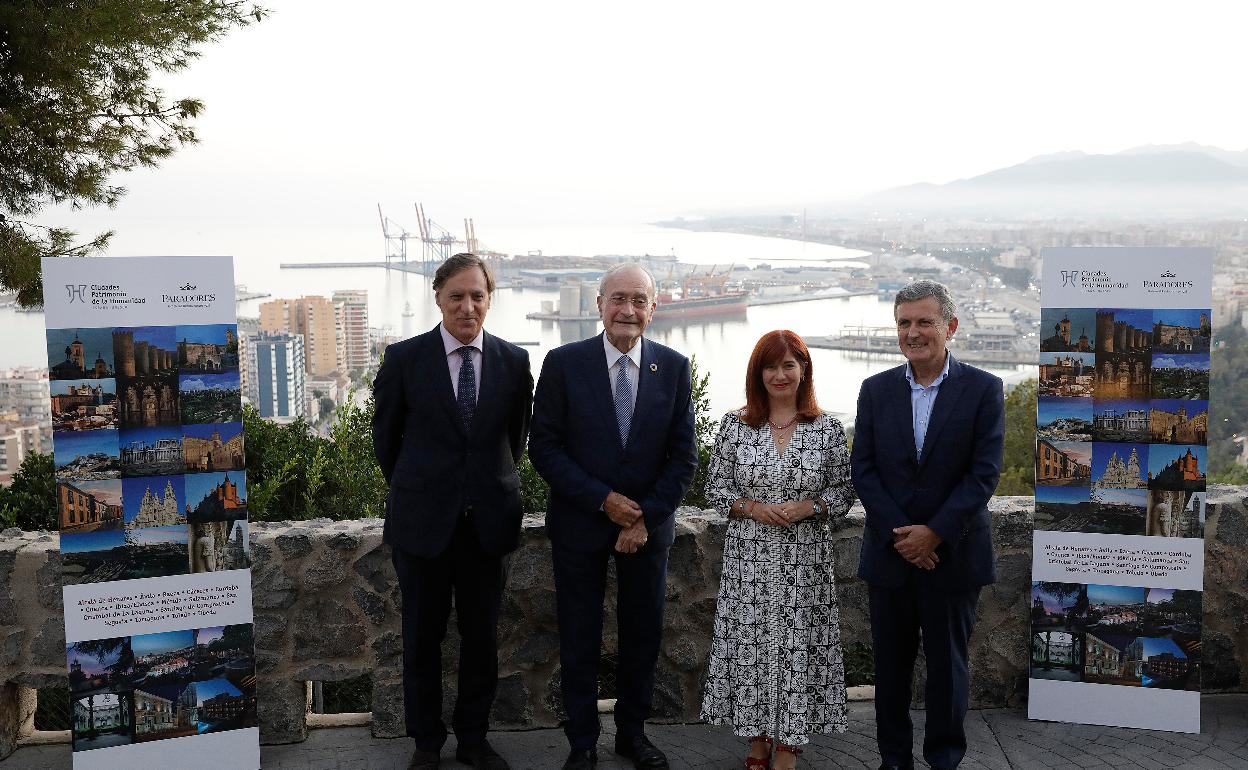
<point x="1063" y="463"/>
<point x="89" y="455"/>
<point x="1120" y="420"/>
<point x="151" y="451"/>
<point x="213" y="447"/>
<point x="1068" y="375"/>
<point x="80" y="354"/>
<point x="1181" y="331"/>
<point x="1124" y="331"/>
<point x="1122" y="375"/>
<point x="87" y="506"/>
<point x="1119" y="466"/>
<point x="1064" y="419"/>
<point x="211" y="398"/>
<point x="1181" y="376"/>
<point x="1067" y="330"/>
<point x="147" y="376"/>
<point x="1175" y="513"/>
<point x="217" y="511"/>
<point x="1179" y="467"/>
<point x="1177" y="421"/>
<point x="207" y="348"/>
<point x="83" y="404"/>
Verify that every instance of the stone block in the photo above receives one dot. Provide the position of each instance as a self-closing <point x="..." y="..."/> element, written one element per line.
<point x="48" y="646"/>
<point x="49" y="578"/>
<point x="269" y="629"/>
<point x="295" y="544"/>
<point x="388" y="646"/>
<point x="377" y="569"/>
<point x="372" y="605"/>
<point x="344" y="541"/>
<point x="513" y="707"/>
<point x="328" y="570"/>
<point x="11" y="641"/>
<point x="388" y="718"/>
<point x="327" y="628"/>
<point x="282" y="709"/>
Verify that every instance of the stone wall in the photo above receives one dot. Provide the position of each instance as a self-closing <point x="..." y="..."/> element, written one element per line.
<point x="326" y="608"/>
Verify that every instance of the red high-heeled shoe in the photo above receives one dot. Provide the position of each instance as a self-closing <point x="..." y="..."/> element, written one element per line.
<point x="784" y="747"/>
<point x="759" y="763"/>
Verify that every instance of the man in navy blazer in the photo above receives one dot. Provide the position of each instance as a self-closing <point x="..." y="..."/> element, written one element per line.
<point x="613" y="436"/>
<point x="927" y="454"/>
<point x="452" y="416"/>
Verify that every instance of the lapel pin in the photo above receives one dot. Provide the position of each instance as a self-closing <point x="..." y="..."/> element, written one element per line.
<point x="654" y="367"/>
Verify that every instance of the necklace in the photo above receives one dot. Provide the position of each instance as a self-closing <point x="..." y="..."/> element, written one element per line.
<point x="786" y="426"/>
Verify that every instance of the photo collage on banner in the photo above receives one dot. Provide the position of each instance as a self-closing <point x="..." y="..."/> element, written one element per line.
<point x="152" y="505"/>
<point x="1121" y="459"/>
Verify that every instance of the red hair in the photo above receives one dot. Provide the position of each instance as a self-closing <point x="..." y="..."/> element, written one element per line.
<point x="770" y="350"/>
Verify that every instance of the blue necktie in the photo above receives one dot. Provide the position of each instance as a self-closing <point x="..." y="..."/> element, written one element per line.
<point x="623" y="400"/>
<point x="466" y="397"/>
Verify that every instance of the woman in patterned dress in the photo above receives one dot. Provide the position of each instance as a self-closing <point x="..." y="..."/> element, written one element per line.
<point x="780" y="472"/>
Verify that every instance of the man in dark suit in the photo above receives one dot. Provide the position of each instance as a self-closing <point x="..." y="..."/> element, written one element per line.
<point x="613" y="436"/>
<point x="453" y="409"/>
<point x="927" y="453"/>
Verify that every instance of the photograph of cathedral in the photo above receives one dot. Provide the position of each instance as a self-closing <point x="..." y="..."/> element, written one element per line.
<point x="1177" y="421"/>
<point x="1179" y="467"/>
<point x="1067" y="375"/>
<point x="1120" y="420"/>
<point x="1175" y="513"/>
<point x="1181" y="331"/>
<point x="207" y="348"/>
<point x="147" y="376"/>
<point x="1181" y="376"/>
<point x="1067" y="330"/>
<point x="213" y="447"/>
<point x="153" y="501"/>
<point x="1119" y="466"/>
<point x="83" y="404"/>
<point x="151" y="451"/>
<point x="80" y="354"/>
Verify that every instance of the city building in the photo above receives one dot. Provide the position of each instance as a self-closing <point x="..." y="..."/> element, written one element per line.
<point x="78" y="364"/>
<point x="275" y="375"/>
<point x="157" y="510"/>
<point x="212" y="453"/>
<point x="24" y="390"/>
<point x="1177" y="427"/>
<point x="1125" y="421"/>
<point x="221" y="502"/>
<point x="83" y="512"/>
<point x="17" y="441"/>
<point x="312" y="318"/>
<point x="222" y="707"/>
<point x="152" y="713"/>
<point x="351" y="322"/>
<point x="1052" y="464"/>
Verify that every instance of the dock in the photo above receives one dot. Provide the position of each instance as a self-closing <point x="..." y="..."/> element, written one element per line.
<point x="407" y="267"/>
<point x="833" y="293"/>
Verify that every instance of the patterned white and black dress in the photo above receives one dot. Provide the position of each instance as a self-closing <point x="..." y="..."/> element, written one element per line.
<point x="776" y="664"/>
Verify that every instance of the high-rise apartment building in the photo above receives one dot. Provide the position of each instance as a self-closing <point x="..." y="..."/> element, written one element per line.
<point x="24" y="392"/>
<point x="312" y="317"/>
<point x="16" y="442"/>
<point x="351" y="315"/>
<point x="275" y="377"/>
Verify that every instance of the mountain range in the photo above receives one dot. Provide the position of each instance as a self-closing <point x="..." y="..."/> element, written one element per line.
<point x="1180" y="180"/>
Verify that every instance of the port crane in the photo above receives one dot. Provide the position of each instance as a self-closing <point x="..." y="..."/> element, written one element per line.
<point x="396" y="236"/>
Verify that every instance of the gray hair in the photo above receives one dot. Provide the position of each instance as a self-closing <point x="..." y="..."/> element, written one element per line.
<point x="621" y="267"/>
<point x="923" y="289"/>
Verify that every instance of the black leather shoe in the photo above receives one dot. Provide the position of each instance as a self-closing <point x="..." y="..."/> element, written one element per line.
<point x="423" y="760"/>
<point x="581" y="759"/>
<point x="481" y="755"/>
<point x="643" y="753"/>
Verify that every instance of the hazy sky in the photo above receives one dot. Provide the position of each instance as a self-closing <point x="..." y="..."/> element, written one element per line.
<point x="572" y="112"/>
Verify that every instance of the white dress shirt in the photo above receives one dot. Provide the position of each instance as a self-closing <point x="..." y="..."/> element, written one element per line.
<point x="454" y="360"/>
<point x="613" y="372"/>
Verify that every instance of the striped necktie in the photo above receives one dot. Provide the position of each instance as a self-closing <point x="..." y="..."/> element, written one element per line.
<point x="623" y="399"/>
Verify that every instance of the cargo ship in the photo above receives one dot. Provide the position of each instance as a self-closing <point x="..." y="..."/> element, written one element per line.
<point x="725" y="303"/>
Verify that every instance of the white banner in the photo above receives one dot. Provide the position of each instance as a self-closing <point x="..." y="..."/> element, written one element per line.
<point x="1122" y="422"/>
<point x="143" y="362"/>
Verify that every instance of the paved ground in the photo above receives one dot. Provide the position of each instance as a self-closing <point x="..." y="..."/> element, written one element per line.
<point x="1000" y="739"/>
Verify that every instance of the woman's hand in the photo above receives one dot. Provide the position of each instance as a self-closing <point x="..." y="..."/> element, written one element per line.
<point x="770" y="513"/>
<point x="796" y="510"/>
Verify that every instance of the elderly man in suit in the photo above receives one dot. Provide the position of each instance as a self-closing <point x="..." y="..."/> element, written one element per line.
<point x="613" y="436"/>
<point x="453" y="409"/>
<point x="927" y="453"/>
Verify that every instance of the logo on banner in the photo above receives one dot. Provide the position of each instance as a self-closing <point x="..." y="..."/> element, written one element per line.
<point x="77" y="292"/>
<point x="1092" y="281"/>
<point x="1167" y="283"/>
<point x="1068" y="277"/>
<point x="186" y="296"/>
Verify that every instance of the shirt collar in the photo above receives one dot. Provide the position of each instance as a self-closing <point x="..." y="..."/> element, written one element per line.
<point x="943" y="374"/>
<point x="451" y="344"/>
<point x="614" y="355"/>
